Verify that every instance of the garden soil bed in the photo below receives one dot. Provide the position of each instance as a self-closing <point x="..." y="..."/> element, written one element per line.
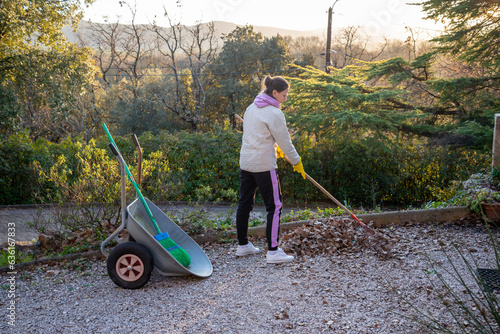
<point x="348" y="290"/>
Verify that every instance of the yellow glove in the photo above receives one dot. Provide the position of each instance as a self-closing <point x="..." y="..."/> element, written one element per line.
<point x="279" y="153"/>
<point x="299" y="169"/>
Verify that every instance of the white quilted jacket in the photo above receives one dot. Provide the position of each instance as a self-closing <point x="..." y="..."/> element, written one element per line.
<point x="263" y="128"/>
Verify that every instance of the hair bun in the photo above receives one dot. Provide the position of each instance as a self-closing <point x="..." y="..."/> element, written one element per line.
<point x="268" y="81"/>
<point x="270" y="84"/>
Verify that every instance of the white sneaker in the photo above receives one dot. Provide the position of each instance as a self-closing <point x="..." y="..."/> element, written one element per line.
<point x="278" y="256"/>
<point x="247" y="249"/>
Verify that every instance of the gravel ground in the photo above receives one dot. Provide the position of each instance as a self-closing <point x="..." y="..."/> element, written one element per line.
<point x="341" y="293"/>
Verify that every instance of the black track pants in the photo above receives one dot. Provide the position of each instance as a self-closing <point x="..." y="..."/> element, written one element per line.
<point x="269" y="187"/>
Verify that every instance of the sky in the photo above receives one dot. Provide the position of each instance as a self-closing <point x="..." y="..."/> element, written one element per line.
<point x="376" y="16"/>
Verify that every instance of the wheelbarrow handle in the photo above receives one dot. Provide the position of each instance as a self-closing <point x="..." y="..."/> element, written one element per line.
<point x="113" y="149"/>
<point x="136" y="141"/>
<point x="139" y="163"/>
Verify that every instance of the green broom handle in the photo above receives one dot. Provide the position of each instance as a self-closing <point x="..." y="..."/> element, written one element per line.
<point x="116" y="152"/>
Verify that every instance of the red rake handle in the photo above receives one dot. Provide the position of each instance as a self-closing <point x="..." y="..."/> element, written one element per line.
<point x="324" y="191"/>
<point x="337" y="202"/>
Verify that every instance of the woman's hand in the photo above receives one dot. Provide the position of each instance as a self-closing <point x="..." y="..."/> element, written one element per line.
<point x="299" y="169"/>
<point x="279" y="153"/>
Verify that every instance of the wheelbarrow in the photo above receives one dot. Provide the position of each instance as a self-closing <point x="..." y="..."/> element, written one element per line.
<point x="130" y="263"/>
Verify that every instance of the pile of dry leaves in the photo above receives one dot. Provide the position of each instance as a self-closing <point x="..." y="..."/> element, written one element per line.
<point x="333" y="235"/>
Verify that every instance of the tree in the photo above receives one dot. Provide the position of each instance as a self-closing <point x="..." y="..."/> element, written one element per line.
<point x="307" y="49"/>
<point x="350" y="46"/>
<point x="50" y="87"/>
<point x="461" y="105"/>
<point x="39" y="68"/>
<point x="409" y="97"/>
<point x="370" y="129"/>
<point x="121" y="50"/>
<point x="145" y="112"/>
<point x="472" y="31"/>
<point x="185" y="52"/>
<point x="104" y="40"/>
<point x="24" y="23"/>
<point x="176" y="55"/>
<point x="340" y="104"/>
<point x="125" y="54"/>
<point x="236" y="75"/>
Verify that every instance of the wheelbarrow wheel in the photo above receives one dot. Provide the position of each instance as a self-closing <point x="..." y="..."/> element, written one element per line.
<point x="130" y="265"/>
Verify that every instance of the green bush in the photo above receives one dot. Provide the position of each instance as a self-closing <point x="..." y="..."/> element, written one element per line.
<point x="16" y="174"/>
<point x="370" y="173"/>
<point x="209" y="164"/>
<point x="92" y="189"/>
<point x="46" y="156"/>
<point x="205" y="167"/>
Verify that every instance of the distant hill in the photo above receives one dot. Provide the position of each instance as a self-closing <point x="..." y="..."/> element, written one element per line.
<point x="221" y="28"/>
<point x="227" y="27"/>
<point x="224" y="28"/>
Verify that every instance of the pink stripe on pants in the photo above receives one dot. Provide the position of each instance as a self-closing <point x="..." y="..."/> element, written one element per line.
<point x="277" y="203"/>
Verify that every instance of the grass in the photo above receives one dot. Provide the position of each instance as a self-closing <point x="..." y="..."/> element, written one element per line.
<point x="78" y="248"/>
<point x="319" y="213"/>
<point x="197" y="220"/>
<point x="20" y="257"/>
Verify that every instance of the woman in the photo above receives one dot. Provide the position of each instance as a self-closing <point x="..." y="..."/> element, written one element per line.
<point x="264" y="129"/>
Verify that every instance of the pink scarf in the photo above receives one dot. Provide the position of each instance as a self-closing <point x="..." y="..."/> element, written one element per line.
<point x="263" y="100"/>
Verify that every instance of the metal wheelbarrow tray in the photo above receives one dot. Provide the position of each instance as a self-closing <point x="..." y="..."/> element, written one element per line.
<point x="141" y="229"/>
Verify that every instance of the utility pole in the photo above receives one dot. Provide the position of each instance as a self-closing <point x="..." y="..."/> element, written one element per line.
<point x="329" y="38"/>
<point x="496" y="143"/>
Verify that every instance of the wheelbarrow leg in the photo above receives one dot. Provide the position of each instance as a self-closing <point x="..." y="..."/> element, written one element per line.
<point x="123" y="204"/>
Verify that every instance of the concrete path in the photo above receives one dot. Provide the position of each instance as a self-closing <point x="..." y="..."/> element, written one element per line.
<point x="20" y="219"/>
<point x="15" y="223"/>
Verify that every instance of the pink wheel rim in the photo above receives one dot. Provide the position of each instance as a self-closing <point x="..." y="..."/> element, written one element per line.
<point x="129" y="267"/>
